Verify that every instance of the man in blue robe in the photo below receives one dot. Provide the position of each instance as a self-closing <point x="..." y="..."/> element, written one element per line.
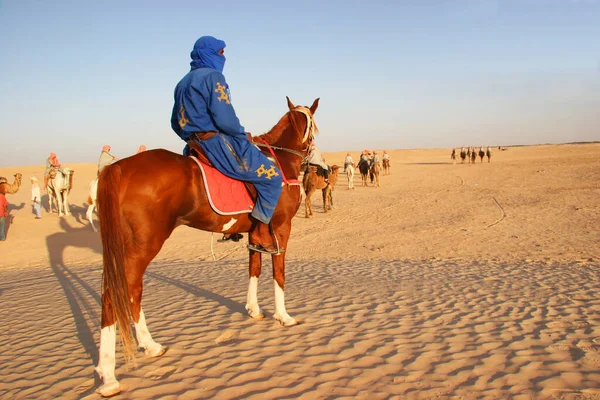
<point x="203" y="109"/>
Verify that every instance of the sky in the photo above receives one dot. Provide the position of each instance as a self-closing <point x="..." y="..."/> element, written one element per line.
<point x="76" y="75"/>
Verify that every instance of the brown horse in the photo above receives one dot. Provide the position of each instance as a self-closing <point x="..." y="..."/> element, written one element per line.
<point x="312" y="182"/>
<point x="138" y="212"/>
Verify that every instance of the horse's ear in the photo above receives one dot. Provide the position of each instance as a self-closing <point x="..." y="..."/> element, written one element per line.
<point x="291" y="105"/>
<point x="314" y="106"/>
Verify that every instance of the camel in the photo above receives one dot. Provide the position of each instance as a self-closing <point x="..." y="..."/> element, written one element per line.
<point x="374" y="173"/>
<point x="92" y="203"/>
<point x="60" y="183"/>
<point x="363" y="167"/>
<point x="350" y="175"/>
<point x="7" y="188"/>
<point x="463" y="155"/>
<point x="488" y="153"/>
<point x="312" y="182"/>
<point x="481" y="153"/>
<point x="386" y="166"/>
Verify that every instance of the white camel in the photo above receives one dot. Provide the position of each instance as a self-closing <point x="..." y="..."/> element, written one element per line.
<point x="92" y="204"/>
<point x="350" y="175"/>
<point x="60" y="182"/>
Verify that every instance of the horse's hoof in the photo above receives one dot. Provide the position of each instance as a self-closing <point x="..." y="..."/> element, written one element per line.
<point x="255" y="313"/>
<point x="109" y="389"/>
<point x="159" y="352"/>
<point x="287" y="321"/>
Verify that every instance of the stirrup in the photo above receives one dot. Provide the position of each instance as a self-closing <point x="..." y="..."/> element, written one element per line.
<point x="271" y="249"/>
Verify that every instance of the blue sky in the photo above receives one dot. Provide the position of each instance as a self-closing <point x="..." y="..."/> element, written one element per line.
<point x="76" y="75"/>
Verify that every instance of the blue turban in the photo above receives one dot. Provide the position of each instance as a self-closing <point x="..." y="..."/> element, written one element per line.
<point x="206" y="54"/>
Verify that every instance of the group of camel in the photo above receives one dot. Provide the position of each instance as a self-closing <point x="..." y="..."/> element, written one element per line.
<point x="312" y="181"/>
<point x="470" y="154"/>
<point x="60" y="183"/>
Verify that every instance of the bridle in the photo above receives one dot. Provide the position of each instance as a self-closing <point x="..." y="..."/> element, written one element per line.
<point x="309" y="134"/>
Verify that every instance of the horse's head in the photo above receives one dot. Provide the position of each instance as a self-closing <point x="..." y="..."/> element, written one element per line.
<point x="305" y="125"/>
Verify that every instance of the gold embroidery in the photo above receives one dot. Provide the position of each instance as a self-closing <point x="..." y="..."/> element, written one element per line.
<point x="182" y="119"/>
<point x="223" y="93"/>
<point x="269" y="172"/>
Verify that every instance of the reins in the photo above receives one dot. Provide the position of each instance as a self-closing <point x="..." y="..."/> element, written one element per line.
<point x="308" y="133"/>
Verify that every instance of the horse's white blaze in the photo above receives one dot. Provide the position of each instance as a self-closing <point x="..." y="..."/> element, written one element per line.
<point x="144" y="338"/>
<point x="280" y="311"/>
<point x="252" y="299"/>
<point x="229" y="224"/>
<point x="106" y="364"/>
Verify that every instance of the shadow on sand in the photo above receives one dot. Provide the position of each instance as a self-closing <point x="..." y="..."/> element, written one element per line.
<point x="83" y="299"/>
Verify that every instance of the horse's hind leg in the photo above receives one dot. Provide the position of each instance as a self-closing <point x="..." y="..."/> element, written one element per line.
<point x="136" y="266"/>
<point x="252" y="306"/>
<point x="108" y="338"/>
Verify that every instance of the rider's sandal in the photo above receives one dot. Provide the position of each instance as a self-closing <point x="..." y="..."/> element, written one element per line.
<point x="234" y="237"/>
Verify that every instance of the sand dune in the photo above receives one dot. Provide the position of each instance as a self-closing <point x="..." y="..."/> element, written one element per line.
<point x="449" y="281"/>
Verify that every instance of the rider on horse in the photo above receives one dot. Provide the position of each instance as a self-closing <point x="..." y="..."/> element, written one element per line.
<point x="203" y="113"/>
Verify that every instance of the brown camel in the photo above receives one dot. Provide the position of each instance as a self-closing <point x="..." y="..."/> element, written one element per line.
<point x="7" y="188"/>
<point x="312" y="182"/>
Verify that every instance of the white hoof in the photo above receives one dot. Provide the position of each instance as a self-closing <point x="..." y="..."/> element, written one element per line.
<point x="255" y="312"/>
<point x="109" y="389"/>
<point x="156" y="352"/>
<point x="286" y="321"/>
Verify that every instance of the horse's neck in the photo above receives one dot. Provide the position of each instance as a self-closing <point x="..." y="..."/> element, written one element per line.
<point x="283" y="135"/>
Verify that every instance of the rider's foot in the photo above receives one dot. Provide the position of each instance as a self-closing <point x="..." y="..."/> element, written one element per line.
<point x="230" y="237"/>
<point x="261" y="240"/>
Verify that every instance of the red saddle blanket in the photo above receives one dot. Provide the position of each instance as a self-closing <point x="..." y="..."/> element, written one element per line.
<point x="226" y="196"/>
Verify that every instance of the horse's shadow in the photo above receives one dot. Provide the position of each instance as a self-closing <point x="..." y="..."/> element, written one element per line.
<point x="82" y="296"/>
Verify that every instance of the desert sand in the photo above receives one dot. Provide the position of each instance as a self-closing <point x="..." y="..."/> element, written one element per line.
<point x="450" y="281"/>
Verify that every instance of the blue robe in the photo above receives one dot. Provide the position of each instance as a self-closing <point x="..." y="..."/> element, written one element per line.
<point x="203" y="104"/>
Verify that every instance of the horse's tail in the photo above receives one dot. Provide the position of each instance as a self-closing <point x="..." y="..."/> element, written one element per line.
<point x="115" y="295"/>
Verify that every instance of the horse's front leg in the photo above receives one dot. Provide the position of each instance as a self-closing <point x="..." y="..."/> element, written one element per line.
<point x="279" y="282"/>
<point x="254" y="270"/>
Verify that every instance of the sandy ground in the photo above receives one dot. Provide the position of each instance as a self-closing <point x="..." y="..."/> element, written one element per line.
<point x="450" y="281"/>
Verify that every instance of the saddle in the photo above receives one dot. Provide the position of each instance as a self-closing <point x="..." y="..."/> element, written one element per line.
<point x="217" y="181"/>
<point x="317" y="169"/>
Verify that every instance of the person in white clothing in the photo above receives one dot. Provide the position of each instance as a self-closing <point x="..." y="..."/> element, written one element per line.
<point x="36" y="198"/>
<point x="348" y="162"/>
<point x="315" y="158"/>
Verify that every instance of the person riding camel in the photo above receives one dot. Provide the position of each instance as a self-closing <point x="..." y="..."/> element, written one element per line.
<point x="374" y="158"/>
<point x="203" y="113"/>
<point x="51" y="163"/>
<point x="315" y="158"/>
<point x="348" y="162"/>
<point x="105" y="158"/>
